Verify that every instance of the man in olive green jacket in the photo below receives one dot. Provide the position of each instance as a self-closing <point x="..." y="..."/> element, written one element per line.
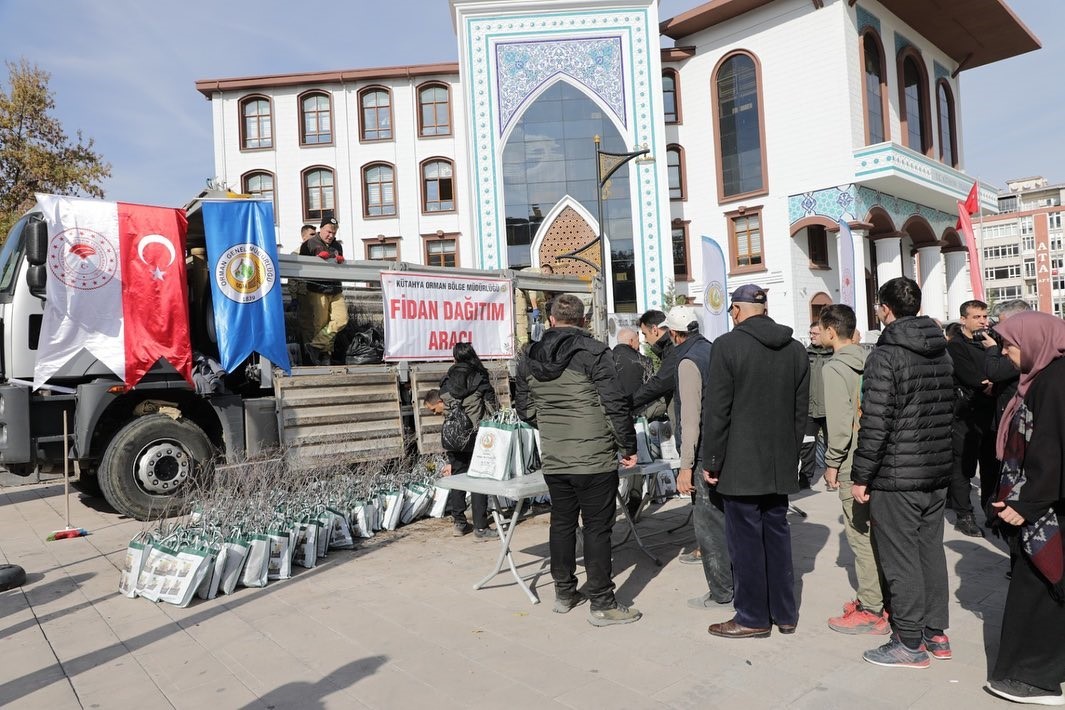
<point x="567" y="387"/>
<point x="842" y="397"/>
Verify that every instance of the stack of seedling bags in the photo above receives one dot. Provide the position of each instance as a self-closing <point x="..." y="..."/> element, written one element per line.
<point x="256" y="521"/>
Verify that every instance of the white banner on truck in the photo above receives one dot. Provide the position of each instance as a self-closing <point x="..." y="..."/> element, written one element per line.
<point x="426" y="314"/>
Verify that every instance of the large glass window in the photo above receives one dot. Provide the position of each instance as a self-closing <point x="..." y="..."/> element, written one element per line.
<point x="434" y="116"/>
<point x="739" y="127"/>
<point x="316" y="121"/>
<point x="550" y="154"/>
<point x="875" y="88"/>
<point x="318" y="196"/>
<point x="378" y="190"/>
<point x="376" y="114"/>
<point x="914" y="100"/>
<point x="948" y="140"/>
<point x="256" y="129"/>
<point x="438" y="186"/>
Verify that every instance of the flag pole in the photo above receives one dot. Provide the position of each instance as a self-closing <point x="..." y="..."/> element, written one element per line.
<point x="980" y="242"/>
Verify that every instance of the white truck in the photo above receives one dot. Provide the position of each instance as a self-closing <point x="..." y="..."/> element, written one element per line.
<point x="142" y="445"/>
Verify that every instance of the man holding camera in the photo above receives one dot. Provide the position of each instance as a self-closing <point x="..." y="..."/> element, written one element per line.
<point x="974" y="407"/>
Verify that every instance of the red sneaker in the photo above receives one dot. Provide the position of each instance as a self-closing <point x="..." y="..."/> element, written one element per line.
<point x="860" y="621"/>
<point x="850" y="606"/>
<point x="938" y="646"/>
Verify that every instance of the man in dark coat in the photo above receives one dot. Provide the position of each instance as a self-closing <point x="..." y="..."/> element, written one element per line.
<point x="902" y="468"/>
<point x="634" y="368"/>
<point x="323" y="311"/>
<point x="974" y="410"/>
<point x="661" y="383"/>
<point x="566" y="387"/>
<point x="756" y="406"/>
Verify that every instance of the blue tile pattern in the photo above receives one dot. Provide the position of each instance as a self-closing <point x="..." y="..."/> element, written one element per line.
<point x="867" y="19"/>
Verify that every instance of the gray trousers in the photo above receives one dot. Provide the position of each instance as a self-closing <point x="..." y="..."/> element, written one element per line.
<point x="708" y="517"/>
<point x="908" y="542"/>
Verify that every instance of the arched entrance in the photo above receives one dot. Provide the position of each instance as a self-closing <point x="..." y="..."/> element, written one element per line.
<point x="817" y="304"/>
<point x="565" y="230"/>
<point x="549" y="155"/>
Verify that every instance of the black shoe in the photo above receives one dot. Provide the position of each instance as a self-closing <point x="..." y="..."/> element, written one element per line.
<point x="1021" y="692"/>
<point x="966" y="525"/>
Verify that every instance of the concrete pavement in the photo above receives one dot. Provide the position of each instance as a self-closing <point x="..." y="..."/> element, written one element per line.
<point x="396" y="624"/>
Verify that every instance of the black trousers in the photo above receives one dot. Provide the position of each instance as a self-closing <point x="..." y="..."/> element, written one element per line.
<point x="759" y="543"/>
<point x="973" y="443"/>
<point x="456" y="500"/>
<point x="907" y="532"/>
<point x="808" y="450"/>
<point x="592" y="497"/>
<point x="1033" y="625"/>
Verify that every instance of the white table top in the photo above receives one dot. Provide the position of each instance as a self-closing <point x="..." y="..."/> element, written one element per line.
<point x="533" y="484"/>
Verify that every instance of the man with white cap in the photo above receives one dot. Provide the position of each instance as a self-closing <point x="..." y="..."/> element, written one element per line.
<point x="691" y="355"/>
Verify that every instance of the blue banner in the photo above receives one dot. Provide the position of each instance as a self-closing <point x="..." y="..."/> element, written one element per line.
<point x="715" y="290"/>
<point x="245" y="284"/>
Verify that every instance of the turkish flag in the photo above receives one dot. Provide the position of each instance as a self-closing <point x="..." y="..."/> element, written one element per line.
<point x="971" y="204"/>
<point x="965" y="222"/>
<point x="155" y="304"/>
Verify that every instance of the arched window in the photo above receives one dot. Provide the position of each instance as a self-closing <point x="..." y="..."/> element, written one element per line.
<point x="874" y="88"/>
<point x="675" y="171"/>
<point x="319" y="196"/>
<point x="438" y="186"/>
<point x="256" y="123"/>
<point x="671" y="95"/>
<point x="739" y="138"/>
<point x="260" y="184"/>
<point x="376" y="114"/>
<point x="316" y="119"/>
<point x="378" y="190"/>
<point x="434" y="110"/>
<point x="913" y="102"/>
<point x="948" y="132"/>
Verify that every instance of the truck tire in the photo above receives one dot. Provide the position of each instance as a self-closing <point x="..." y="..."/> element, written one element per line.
<point x="146" y="468"/>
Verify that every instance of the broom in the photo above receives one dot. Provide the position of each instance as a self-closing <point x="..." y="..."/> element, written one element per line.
<point x="68" y="531"/>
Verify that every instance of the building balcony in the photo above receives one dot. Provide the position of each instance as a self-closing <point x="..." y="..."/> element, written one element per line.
<point x="897" y="170"/>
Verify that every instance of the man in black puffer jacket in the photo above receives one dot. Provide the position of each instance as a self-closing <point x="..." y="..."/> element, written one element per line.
<point x="902" y="468"/>
<point x="567" y="387"/>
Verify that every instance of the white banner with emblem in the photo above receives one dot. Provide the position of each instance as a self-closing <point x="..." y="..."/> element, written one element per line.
<point x="426" y="314"/>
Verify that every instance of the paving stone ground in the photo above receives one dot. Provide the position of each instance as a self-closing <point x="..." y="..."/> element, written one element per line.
<point x="397" y="624"/>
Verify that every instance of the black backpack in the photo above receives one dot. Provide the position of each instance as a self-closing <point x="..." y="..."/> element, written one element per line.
<point x="458" y="431"/>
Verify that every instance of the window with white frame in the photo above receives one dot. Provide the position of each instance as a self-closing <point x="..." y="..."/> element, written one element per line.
<point x="1029" y="268"/>
<point x="1055" y="242"/>
<point x="1004" y="293"/>
<point x="1027" y="226"/>
<point x="1004" y="251"/>
<point x="998" y="273"/>
<point x="1028" y="244"/>
<point x="999" y="231"/>
<point x="1054" y="220"/>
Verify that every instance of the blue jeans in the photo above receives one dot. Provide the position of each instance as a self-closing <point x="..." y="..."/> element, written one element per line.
<point x="708" y="517"/>
<point x="759" y="542"/>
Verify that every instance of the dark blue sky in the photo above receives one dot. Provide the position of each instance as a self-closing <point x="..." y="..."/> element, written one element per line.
<point x="123" y="72"/>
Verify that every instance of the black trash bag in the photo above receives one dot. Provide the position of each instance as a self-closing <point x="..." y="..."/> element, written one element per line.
<point x="367" y="346"/>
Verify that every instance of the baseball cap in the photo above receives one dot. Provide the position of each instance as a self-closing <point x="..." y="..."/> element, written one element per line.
<point x="680" y="318"/>
<point x="749" y="293"/>
<point x="329" y="220"/>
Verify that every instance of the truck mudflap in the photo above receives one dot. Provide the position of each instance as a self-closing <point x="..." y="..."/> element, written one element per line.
<point x="339" y="415"/>
<point x="15" y="444"/>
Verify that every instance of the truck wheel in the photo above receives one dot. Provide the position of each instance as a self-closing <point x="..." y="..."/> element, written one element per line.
<point x="146" y="468"/>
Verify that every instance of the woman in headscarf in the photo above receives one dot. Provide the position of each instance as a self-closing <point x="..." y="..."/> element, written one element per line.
<point x="1030" y="509"/>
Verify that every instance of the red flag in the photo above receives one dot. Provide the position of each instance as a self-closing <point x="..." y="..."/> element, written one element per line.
<point x="965" y="223"/>
<point x="155" y="304"/>
<point x="971" y="204"/>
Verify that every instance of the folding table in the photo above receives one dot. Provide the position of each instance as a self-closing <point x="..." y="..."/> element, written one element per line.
<point x="521" y="489"/>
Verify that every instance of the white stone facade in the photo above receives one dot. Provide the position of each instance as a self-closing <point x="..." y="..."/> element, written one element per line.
<point x="820" y="165"/>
